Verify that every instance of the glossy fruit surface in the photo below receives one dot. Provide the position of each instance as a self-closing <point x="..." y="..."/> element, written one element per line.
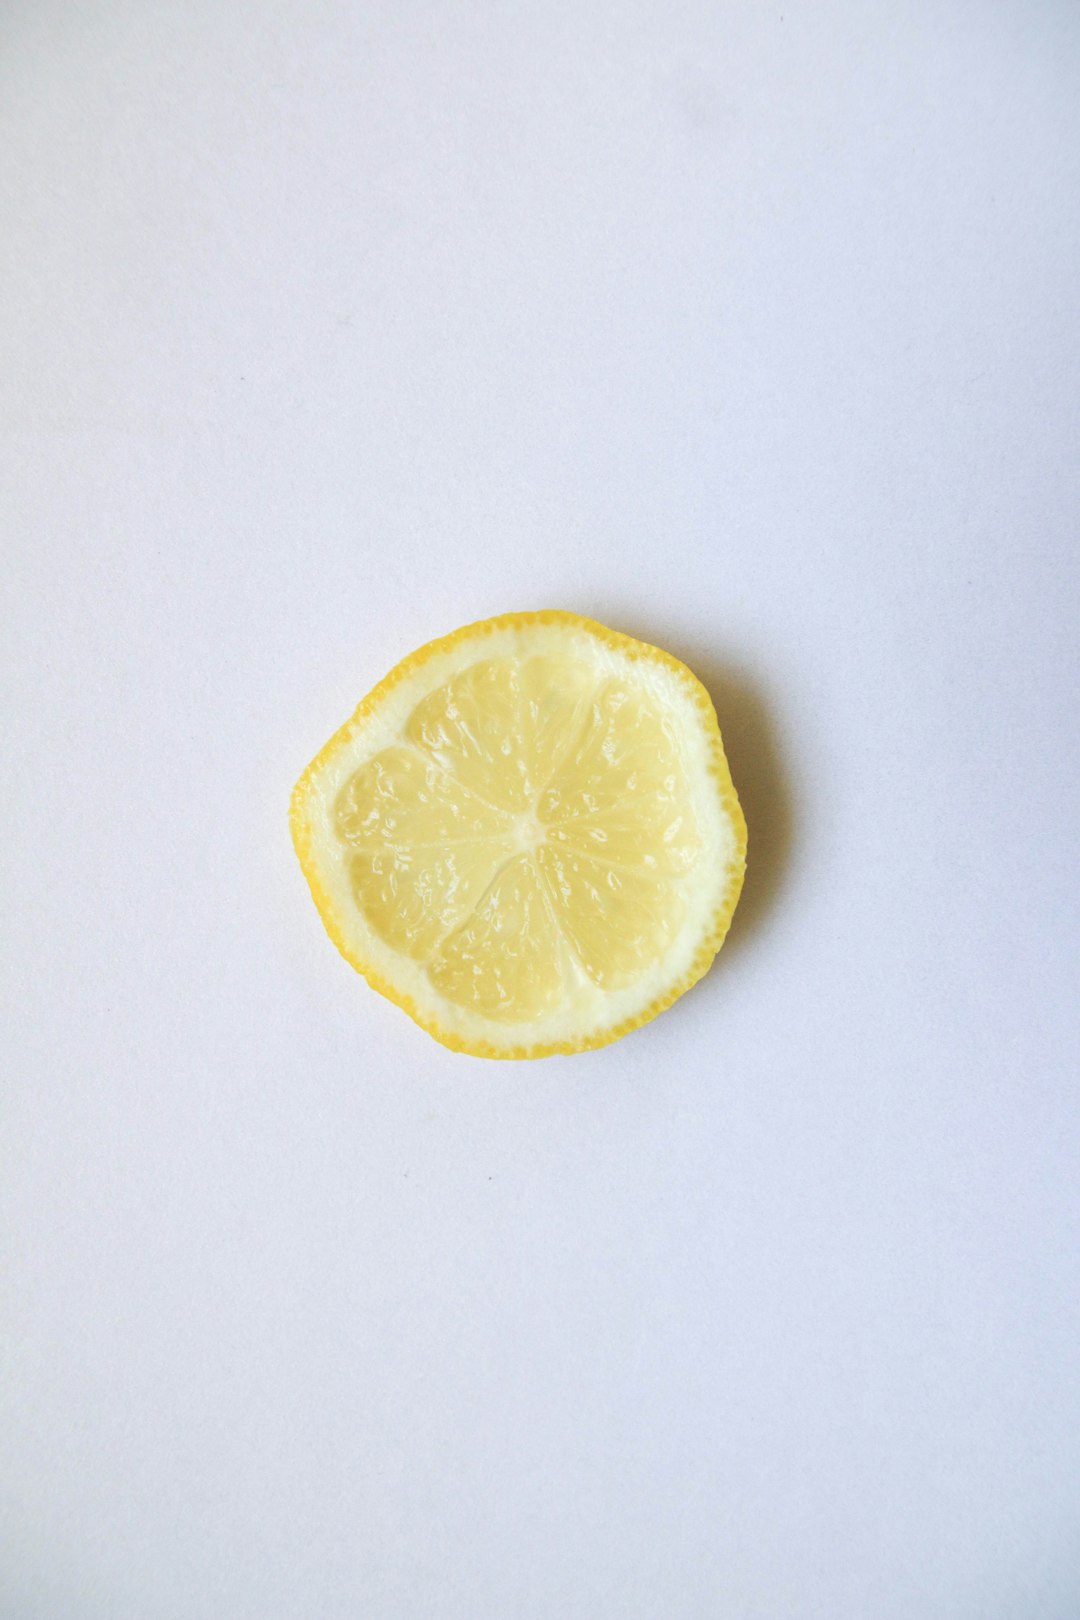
<point x="527" y="835"/>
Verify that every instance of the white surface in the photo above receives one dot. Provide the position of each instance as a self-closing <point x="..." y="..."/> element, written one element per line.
<point x="329" y="326"/>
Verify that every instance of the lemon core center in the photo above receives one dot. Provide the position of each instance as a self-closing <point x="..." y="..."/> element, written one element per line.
<point x="528" y="832"/>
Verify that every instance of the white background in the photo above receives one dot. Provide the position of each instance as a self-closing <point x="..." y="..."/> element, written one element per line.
<point x="750" y="329"/>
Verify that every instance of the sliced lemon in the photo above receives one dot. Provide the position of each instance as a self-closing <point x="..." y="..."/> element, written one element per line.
<point x="526" y="836"/>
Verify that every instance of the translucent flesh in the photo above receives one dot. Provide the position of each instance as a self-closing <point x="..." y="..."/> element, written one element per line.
<point x="535" y="817"/>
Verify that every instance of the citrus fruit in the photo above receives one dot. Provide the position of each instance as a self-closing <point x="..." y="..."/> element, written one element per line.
<point x="526" y="836"/>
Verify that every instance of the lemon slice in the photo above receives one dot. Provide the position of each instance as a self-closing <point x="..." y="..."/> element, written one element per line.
<point x="526" y="836"/>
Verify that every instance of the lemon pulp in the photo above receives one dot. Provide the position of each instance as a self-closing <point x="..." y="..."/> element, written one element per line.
<point x="515" y="839"/>
<point x="532" y="812"/>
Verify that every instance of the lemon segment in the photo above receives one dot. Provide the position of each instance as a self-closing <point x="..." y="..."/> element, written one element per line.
<point x="501" y="726"/>
<point x="506" y="961"/>
<point x="618" y="920"/>
<point x="413" y="898"/>
<point x="620" y="792"/>
<point x="527" y="835"/>
<point x="398" y="798"/>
